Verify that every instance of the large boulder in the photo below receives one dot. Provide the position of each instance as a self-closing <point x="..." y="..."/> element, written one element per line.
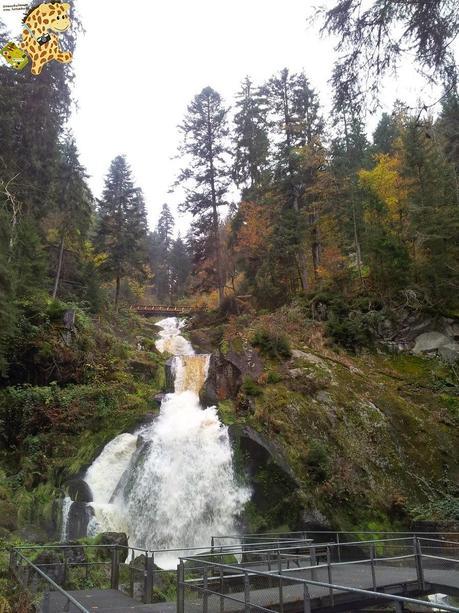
<point x="439" y="344"/>
<point x="143" y="369"/>
<point x="430" y="342"/>
<point x="78" y="490"/>
<point x="227" y="373"/>
<point x="449" y="352"/>
<point x="275" y="499"/>
<point x="79" y="515"/>
<point x="169" y="370"/>
<point x="113" y="538"/>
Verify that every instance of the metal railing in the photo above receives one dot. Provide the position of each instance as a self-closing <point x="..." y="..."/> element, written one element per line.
<point x="68" y="599"/>
<point x="221" y="569"/>
<point x="131" y="570"/>
<point x="209" y="584"/>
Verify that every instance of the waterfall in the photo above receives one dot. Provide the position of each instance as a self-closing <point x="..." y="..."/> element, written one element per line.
<point x="66" y="504"/>
<point x="171" y="484"/>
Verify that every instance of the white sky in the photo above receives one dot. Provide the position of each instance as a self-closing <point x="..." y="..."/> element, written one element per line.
<point x="140" y="63"/>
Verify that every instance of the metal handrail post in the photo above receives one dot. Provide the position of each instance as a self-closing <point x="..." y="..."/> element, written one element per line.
<point x="131" y="574"/>
<point x="373" y="569"/>
<point x="418" y="562"/>
<point x="339" y="546"/>
<point x="312" y="553"/>
<point x="332" y="597"/>
<point x="212" y="542"/>
<point x="148" y="579"/>
<point x="246" y="592"/>
<point x="115" y="569"/>
<point x="222" y="598"/>
<point x="205" y="601"/>
<point x="306" y="599"/>
<point x="180" y="587"/>
<point x="281" y="587"/>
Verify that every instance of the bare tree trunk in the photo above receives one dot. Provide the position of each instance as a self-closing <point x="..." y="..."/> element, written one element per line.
<point x="358" y="251"/>
<point x="303" y="270"/>
<point x="221" y="291"/>
<point x="117" y="291"/>
<point x="59" y="266"/>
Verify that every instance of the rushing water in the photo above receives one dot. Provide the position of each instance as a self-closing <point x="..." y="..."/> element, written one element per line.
<point x="66" y="504"/>
<point x="171" y="484"/>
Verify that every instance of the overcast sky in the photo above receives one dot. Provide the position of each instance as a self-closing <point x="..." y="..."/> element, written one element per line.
<point x="140" y="63"/>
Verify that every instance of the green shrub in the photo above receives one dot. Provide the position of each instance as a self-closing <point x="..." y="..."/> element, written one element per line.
<point x="274" y="377"/>
<point x="349" y="333"/>
<point x="251" y="388"/>
<point x="318" y="463"/>
<point x="272" y="345"/>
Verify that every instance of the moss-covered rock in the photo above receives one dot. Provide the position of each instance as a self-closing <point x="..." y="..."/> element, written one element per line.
<point x="8" y="515"/>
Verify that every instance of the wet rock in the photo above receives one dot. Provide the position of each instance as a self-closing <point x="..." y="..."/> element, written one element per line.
<point x="78" y="490"/>
<point x="79" y="516"/>
<point x="145" y="420"/>
<point x="227" y="372"/>
<point x="159" y="399"/>
<point x="113" y="538"/>
<point x="223" y="381"/>
<point x="275" y="489"/>
<point x="169" y="370"/>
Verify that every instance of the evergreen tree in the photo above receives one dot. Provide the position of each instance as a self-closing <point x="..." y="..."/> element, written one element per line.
<point x="250" y="136"/>
<point x="122" y="231"/>
<point x="206" y="177"/>
<point x="385" y="134"/>
<point x="7" y="306"/>
<point x="180" y="264"/>
<point x="160" y="252"/>
<point x="434" y="214"/>
<point x="350" y="152"/>
<point x="295" y="110"/>
<point x="74" y="202"/>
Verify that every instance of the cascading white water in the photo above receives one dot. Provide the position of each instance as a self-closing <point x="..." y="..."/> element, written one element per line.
<point x="171" y="484"/>
<point x="66" y="504"/>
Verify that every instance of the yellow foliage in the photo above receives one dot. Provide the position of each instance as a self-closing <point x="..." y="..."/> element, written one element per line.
<point x="387" y="183"/>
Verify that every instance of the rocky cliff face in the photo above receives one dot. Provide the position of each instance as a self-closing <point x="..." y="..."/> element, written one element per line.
<point x="367" y="440"/>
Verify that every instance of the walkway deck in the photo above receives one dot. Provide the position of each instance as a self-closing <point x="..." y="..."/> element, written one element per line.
<point x="390" y="579"/>
<point x="105" y="601"/>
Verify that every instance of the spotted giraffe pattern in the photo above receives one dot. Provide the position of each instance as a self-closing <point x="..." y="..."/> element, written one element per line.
<point x="46" y="19"/>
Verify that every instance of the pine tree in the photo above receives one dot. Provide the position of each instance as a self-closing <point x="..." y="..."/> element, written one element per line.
<point x="122" y="231"/>
<point x="250" y="136"/>
<point x="294" y="107"/>
<point x="386" y="133"/>
<point x="180" y="264"/>
<point x="350" y="152"/>
<point x="206" y="177"/>
<point x="160" y="252"/>
<point x="74" y="202"/>
<point x="7" y="306"/>
<point x="434" y="215"/>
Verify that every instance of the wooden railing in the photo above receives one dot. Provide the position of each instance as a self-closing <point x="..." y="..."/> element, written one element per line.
<point x="160" y="309"/>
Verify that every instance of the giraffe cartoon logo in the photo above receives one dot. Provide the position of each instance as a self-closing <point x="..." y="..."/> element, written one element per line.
<point x="40" y="37"/>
